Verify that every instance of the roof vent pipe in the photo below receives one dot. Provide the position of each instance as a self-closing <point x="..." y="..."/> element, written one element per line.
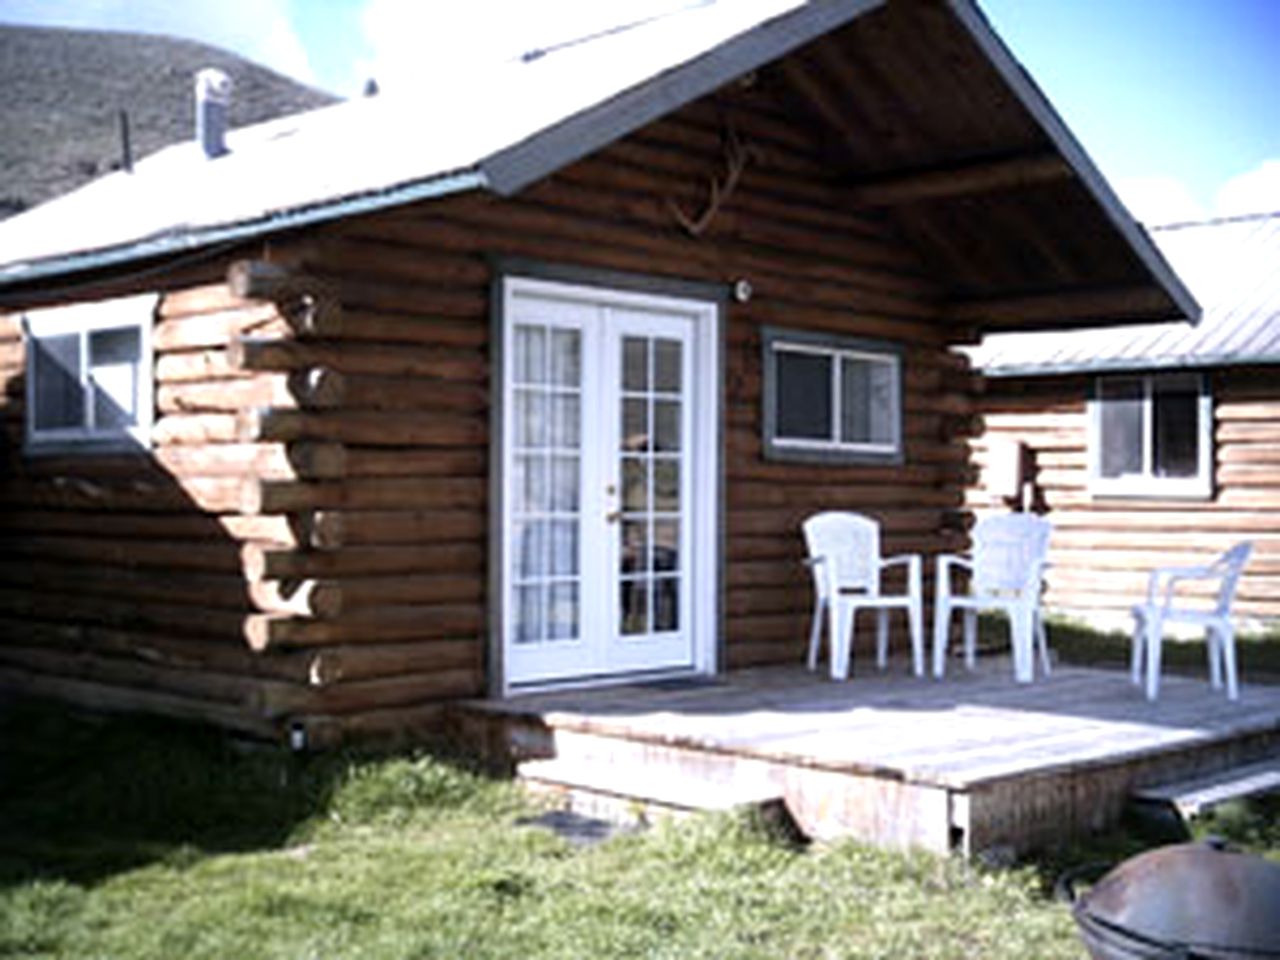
<point x="213" y="97"/>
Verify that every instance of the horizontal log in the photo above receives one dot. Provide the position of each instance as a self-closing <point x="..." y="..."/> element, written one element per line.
<point x="1063" y="306"/>
<point x="409" y="393"/>
<point x="200" y="365"/>
<point x="413" y="327"/>
<point x="1248" y="432"/>
<point x="176" y="652"/>
<point x="58" y="602"/>
<point x="375" y="660"/>
<point x="314" y="388"/>
<point x="206" y="298"/>
<point x="262" y="280"/>
<point x="140" y="585"/>
<point x="287" y="701"/>
<point x="263" y="562"/>
<point x="204" y="684"/>
<point x="966" y="179"/>
<point x="371" y="493"/>
<point x="329" y="598"/>
<point x="417" y="462"/>
<point x="1244" y="411"/>
<point x="361" y="428"/>
<point x="334" y="529"/>
<point x="201" y="556"/>
<point x="150" y="494"/>
<point x="195" y="428"/>
<point x="268" y="461"/>
<point x="215" y="330"/>
<point x="411" y="725"/>
<point x="88" y="694"/>
<point x="370" y="625"/>
<point x="144" y="526"/>
<point x="443" y="363"/>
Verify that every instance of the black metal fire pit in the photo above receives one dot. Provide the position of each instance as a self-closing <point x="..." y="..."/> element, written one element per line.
<point x="1192" y="901"/>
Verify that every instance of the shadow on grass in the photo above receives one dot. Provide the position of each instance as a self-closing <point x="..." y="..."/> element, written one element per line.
<point x="86" y="796"/>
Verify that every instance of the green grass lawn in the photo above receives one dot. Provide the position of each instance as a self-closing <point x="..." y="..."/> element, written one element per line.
<point x="127" y="838"/>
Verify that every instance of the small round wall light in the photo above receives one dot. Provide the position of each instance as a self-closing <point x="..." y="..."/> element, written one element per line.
<point x="742" y="290"/>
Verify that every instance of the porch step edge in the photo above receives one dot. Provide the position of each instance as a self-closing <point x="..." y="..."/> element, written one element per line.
<point x="649" y="787"/>
<point x="1193" y="797"/>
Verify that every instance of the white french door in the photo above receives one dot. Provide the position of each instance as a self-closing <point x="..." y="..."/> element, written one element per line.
<point x="608" y="528"/>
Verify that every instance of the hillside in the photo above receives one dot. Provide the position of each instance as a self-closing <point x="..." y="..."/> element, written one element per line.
<point x="63" y="90"/>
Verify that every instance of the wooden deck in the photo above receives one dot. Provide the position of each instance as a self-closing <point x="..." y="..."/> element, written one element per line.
<point x="969" y="763"/>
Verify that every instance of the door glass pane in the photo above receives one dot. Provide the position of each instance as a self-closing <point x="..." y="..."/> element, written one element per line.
<point x="531" y="354"/>
<point x="565" y="484"/>
<point x="531" y="418"/>
<point x="635" y="364"/>
<point x="528" y="614"/>
<point x="1177" y="430"/>
<point x="562" y="611"/>
<point x="530" y="482"/>
<point x="59" y="397"/>
<point x="666" y="485"/>
<point x="566" y="416"/>
<point x="666" y="425"/>
<point x="666" y="545"/>
<point x="635" y="424"/>
<point x="635" y="606"/>
<point x="804" y="398"/>
<point x="531" y="549"/>
<point x="666" y="604"/>
<point x="1121" y="427"/>
<point x="566" y="358"/>
<point x="667" y="356"/>
<point x="635" y="484"/>
<point x="635" y="546"/>
<point x="564" y="548"/>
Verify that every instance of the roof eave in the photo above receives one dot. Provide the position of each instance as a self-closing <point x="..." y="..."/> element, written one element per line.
<point x="1038" y="105"/>
<point x="181" y="241"/>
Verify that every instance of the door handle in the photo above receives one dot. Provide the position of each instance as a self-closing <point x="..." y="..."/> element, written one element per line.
<point x="613" y="516"/>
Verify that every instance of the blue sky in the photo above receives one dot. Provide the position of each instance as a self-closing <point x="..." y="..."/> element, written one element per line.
<point x="1176" y="100"/>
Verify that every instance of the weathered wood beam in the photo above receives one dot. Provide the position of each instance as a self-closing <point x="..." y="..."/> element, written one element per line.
<point x="986" y="176"/>
<point x="1073" y="307"/>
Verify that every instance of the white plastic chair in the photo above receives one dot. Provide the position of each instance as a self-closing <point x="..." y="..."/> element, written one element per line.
<point x="1162" y="607"/>
<point x="844" y="557"/>
<point x="1010" y="553"/>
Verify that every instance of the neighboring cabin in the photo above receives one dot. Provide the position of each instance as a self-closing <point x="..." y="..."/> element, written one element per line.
<point x="64" y="91"/>
<point x="404" y="401"/>
<point x="1157" y="445"/>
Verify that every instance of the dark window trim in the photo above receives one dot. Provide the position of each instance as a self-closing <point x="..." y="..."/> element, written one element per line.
<point x="1144" y="487"/>
<point x="770" y="337"/>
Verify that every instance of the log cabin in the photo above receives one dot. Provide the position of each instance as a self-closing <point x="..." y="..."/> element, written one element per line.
<point x="316" y="426"/>
<point x="1150" y="446"/>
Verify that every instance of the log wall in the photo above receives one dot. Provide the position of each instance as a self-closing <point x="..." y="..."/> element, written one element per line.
<point x="306" y="543"/>
<point x="1103" y="547"/>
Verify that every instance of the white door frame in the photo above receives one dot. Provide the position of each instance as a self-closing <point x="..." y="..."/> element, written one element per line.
<point x="704" y="463"/>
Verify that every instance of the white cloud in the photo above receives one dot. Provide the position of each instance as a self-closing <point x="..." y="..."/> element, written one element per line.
<point x="1255" y="191"/>
<point x="1159" y="199"/>
<point x="257" y="29"/>
<point x="446" y="42"/>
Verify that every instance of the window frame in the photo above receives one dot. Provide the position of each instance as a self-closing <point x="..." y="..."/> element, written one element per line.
<point x="1146" y="485"/>
<point x="82" y="320"/>
<point x="834" y="451"/>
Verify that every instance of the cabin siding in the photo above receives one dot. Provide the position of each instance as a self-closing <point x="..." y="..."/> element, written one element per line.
<point x="307" y="542"/>
<point x="1103" y="547"/>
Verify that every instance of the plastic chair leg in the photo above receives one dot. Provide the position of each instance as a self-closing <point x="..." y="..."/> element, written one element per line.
<point x="1154" y="638"/>
<point x="1227" y="638"/>
<point x="840" y="617"/>
<point x="941" y="624"/>
<point x="915" y="617"/>
<point x="815" y="632"/>
<point x="882" y="638"/>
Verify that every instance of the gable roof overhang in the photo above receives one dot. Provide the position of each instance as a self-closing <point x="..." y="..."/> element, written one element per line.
<point x="920" y="111"/>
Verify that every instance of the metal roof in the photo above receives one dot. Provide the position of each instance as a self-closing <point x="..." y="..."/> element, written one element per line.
<point x="1232" y="266"/>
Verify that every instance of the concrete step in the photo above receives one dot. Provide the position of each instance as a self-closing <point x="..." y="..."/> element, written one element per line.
<point x="1193" y="797"/>
<point x="629" y="793"/>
